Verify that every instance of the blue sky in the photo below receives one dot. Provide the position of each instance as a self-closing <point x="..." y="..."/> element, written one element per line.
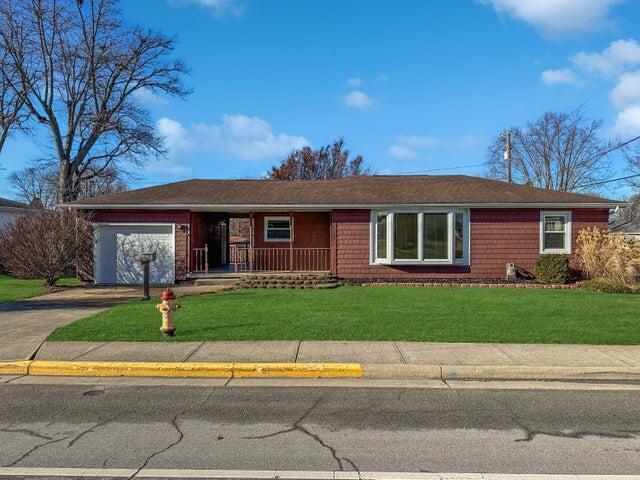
<point x="413" y="86"/>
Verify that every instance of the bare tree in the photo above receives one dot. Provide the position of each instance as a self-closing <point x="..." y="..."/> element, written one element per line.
<point x="28" y="250"/>
<point x="13" y="113"/>
<point x="330" y="161"/>
<point x="38" y="185"/>
<point x="560" y="151"/>
<point x="630" y="213"/>
<point x="78" y="67"/>
<point x="35" y="186"/>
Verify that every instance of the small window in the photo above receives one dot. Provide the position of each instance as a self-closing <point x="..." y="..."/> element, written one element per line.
<point x="381" y="235"/>
<point x="277" y="229"/>
<point x="555" y="232"/>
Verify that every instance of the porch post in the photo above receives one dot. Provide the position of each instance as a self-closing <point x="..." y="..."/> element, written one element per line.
<point x="291" y="241"/>
<point x="252" y="232"/>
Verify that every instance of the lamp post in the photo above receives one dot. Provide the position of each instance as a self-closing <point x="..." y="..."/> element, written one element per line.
<point x="145" y="258"/>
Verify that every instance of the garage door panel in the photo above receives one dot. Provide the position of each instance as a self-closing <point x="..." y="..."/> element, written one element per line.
<point x="119" y="245"/>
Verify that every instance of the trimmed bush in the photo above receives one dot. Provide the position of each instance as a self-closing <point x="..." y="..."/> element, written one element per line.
<point x="552" y="268"/>
<point x="607" y="286"/>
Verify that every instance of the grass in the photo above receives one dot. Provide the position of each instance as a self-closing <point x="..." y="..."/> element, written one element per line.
<point x="12" y="288"/>
<point x="442" y="314"/>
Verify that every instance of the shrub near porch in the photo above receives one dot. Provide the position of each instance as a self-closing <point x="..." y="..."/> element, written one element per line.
<point x="436" y="314"/>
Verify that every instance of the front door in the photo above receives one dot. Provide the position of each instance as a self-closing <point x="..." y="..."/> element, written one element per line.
<point x="216" y="239"/>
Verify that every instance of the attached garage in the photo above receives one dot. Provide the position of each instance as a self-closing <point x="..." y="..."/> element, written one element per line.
<point x="115" y="247"/>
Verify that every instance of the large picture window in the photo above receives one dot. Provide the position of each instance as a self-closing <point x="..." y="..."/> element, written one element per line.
<point x="440" y="236"/>
<point x="555" y="232"/>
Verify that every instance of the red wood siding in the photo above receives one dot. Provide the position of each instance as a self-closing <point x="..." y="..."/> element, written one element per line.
<point x="498" y="237"/>
<point x="176" y="217"/>
<point x="310" y="230"/>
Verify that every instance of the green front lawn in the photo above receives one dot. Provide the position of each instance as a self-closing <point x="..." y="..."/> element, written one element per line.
<point x="436" y="314"/>
<point x="12" y="288"/>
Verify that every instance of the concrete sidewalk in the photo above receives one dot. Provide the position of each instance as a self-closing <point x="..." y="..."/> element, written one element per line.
<point x="25" y="324"/>
<point x="398" y="354"/>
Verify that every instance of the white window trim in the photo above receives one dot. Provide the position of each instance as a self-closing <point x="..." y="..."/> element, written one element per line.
<point x="567" y="231"/>
<point x="278" y="240"/>
<point x="451" y="260"/>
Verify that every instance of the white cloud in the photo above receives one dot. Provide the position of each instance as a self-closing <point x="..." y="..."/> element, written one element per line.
<point x="628" y="122"/>
<point x="557" y="17"/>
<point x="176" y="138"/>
<point x="408" y="147"/>
<point x="626" y="93"/>
<point x="613" y="60"/>
<point x="562" y="76"/>
<point x="355" y="81"/>
<point x="148" y="98"/>
<point x="219" y="8"/>
<point x="237" y="137"/>
<point x="359" y="100"/>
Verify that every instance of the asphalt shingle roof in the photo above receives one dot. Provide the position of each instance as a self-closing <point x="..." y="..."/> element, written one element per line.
<point x="365" y="190"/>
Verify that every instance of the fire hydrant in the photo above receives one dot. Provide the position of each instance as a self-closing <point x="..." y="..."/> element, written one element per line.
<point x="167" y="306"/>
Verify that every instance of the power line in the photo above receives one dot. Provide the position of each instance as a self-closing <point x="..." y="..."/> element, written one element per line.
<point x="439" y="169"/>
<point x="602" y="182"/>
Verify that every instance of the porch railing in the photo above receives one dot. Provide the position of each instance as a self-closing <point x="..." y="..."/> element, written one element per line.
<point x="280" y="259"/>
<point x="201" y="259"/>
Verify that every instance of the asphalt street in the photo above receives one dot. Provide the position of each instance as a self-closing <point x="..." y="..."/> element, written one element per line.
<point x="137" y="428"/>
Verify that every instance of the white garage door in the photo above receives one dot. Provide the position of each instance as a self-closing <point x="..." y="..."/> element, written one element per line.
<point x="117" y="244"/>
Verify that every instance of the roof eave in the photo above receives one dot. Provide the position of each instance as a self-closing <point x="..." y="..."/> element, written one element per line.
<point x="263" y="207"/>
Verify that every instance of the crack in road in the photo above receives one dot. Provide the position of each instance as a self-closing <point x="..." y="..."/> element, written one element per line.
<point x="26" y="431"/>
<point x="574" y="434"/>
<point x="33" y="449"/>
<point x="92" y="429"/>
<point x="530" y="433"/>
<point x="174" y="424"/>
<point x="298" y="427"/>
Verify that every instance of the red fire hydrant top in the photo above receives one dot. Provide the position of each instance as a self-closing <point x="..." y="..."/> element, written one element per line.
<point x="168" y="295"/>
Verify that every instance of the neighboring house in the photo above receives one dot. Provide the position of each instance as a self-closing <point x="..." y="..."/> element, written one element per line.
<point x="369" y="227"/>
<point x="630" y="228"/>
<point x="10" y="209"/>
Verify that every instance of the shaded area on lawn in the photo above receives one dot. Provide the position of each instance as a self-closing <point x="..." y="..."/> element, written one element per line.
<point x="12" y="288"/>
<point x="438" y="314"/>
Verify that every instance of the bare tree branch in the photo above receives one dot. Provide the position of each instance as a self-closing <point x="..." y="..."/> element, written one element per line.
<point x="559" y="151"/>
<point x="76" y="68"/>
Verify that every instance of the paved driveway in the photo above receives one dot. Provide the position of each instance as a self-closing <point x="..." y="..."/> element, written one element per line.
<point x="25" y="324"/>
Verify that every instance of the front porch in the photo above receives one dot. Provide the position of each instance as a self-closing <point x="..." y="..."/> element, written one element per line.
<point x="228" y="244"/>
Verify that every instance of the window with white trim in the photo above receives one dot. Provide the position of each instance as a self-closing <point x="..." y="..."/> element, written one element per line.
<point x="277" y="229"/>
<point x="555" y="232"/>
<point x="430" y="236"/>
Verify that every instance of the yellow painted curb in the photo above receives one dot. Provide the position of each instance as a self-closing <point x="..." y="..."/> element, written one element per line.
<point x="131" y="369"/>
<point x="298" y="370"/>
<point x="185" y="370"/>
<point x="19" y="367"/>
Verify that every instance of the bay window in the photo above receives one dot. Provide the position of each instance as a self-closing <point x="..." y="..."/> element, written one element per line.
<point x="431" y="236"/>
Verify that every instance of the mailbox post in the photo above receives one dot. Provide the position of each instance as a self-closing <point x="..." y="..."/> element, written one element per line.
<point x="145" y="258"/>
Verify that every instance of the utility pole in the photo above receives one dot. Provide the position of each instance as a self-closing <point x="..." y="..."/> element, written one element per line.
<point x="507" y="155"/>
